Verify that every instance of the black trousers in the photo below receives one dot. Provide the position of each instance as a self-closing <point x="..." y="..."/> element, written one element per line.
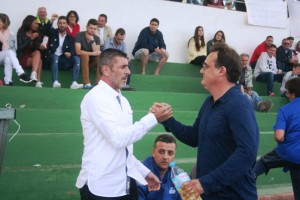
<point x="86" y="194"/>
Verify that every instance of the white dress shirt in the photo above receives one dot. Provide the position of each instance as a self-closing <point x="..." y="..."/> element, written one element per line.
<point x="108" y="130"/>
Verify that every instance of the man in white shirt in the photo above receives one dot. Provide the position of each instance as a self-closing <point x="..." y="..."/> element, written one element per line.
<point x="104" y="32"/>
<point x="266" y="69"/>
<point x="289" y="75"/>
<point x="108" y="164"/>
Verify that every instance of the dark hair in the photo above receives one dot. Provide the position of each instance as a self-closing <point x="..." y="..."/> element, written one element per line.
<point x="154" y="20"/>
<point x="107" y="57"/>
<point x="244" y="54"/>
<point x="269" y="36"/>
<point x="74" y="13"/>
<point x="296" y="65"/>
<point x="120" y="31"/>
<point x="62" y="17"/>
<point x="5" y="19"/>
<point x="228" y="58"/>
<point x="290" y="38"/>
<point x="103" y="15"/>
<point x="92" y="22"/>
<point x="164" y="138"/>
<point x="26" y="24"/>
<point x="293" y="86"/>
<point x="297" y="48"/>
<point x="272" y="46"/>
<point x="196" y="38"/>
<point x="223" y="36"/>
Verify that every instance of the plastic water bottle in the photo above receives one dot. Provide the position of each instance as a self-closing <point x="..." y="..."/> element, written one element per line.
<point x="178" y="177"/>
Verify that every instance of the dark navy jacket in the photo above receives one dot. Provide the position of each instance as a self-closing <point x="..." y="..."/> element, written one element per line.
<point x="167" y="190"/>
<point x="53" y="43"/>
<point x="282" y="59"/>
<point x="149" y="40"/>
<point x="227" y="137"/>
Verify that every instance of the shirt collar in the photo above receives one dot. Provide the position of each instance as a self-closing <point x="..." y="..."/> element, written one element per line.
<point x="109" y="90"/>
<point x="229" y="93"/>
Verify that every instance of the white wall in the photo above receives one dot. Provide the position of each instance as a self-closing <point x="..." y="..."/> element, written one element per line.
<point x="177" y="21"/>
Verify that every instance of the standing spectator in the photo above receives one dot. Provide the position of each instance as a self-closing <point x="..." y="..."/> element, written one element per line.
<point x="163" y="152"/>
<point x="151" y="46"/>
<point x="61" y="54"/>
<point x="73" y="27"/>
<point x="29" y="47"/>
<point x="197" y="48"/>
<point x="259" y="49"/>
<point x="117" y="42"/>
<point x="44" y="23"/>
<point x="287" y="135"/>
<point x="225" y="132"/>
<point x="284" y="56"/>
<point x="246" y="82"/>
<point x="214" y="3"/>
<point x="103" y="31"/>
<point x="218" y="37"/>
<point x="289" y="75"/>
<point x="266" y="69"/>
<point x="7" y="53"/>
<point x="109" y="168"/>
<point x="87" y="46"/>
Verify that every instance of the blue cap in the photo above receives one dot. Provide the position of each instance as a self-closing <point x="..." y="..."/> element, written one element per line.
<point x="172" y="164"/>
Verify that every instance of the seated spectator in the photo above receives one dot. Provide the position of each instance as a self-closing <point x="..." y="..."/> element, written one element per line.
<point x="297" y="48"/>
<point x="73" y="27"/>
<point x="7" y="53"/>
<point x="284" y="56"/>
<point x="246" y="82"/>
<point x="197" y="48"/>
<point x="289" y="75"/>
<point x="44" y="23"/>
<point x="60" y="54"/>
<point x="214" y="3"/>
<point x="294" y="52"/>
<point x="104" y="32"/>
<point x="219" y="37"/>
<point x="151" y="46"/>
<point x="163" y="152"/>
<point x="87" y="46"/>
<point x="287" y="135"/>
<point x="266" y="69"/>
<point x="262" y="47"/>
<point x="228" y="4"/>
<point x="29" y="46"/>
<point x="117" y="42"/>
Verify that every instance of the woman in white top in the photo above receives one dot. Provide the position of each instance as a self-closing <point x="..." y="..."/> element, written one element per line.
<point x="7" y="53"/>
<point x="197" y="48"/>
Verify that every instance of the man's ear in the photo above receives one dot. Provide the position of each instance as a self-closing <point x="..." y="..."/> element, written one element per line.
<point x="223" y="71"/>
<point x="105" y="70"/>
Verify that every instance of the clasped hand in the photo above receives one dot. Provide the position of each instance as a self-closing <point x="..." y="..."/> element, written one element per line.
<point x="162" y="111"/>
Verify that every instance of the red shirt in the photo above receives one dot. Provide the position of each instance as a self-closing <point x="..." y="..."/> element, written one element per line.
<point x="258" y="50"/>
<point x="75" y="30"/>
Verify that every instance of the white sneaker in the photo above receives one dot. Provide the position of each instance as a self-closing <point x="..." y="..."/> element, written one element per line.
<point x="39" y="84"/>
<point x="33" y="76"/>
<point x="56" y="84"/>
<point x="75" y="85"/>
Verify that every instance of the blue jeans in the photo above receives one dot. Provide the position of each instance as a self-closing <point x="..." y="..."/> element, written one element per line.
<point x="254" y="99"/>
<point x="61" y="62"/>
<point x="269" y="78"/>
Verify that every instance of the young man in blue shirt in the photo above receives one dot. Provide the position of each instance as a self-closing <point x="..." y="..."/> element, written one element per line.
<point x="163" y="153"/>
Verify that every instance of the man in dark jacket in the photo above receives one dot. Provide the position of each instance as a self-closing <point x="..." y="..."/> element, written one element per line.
<point x="151" y="46"/>
<point x="60" y="54"/>
<point x="284" y="56"/>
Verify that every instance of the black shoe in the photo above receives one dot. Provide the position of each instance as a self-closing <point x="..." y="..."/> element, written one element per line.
<point x="24" y="78"/>
<point x="8" y="84"/>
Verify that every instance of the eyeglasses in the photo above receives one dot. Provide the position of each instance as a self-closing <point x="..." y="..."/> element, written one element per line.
<point x="286" y="43"/>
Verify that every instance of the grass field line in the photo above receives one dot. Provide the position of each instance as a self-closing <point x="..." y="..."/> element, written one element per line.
<point x="40" y="167"/>
<point x="79" y="133"/>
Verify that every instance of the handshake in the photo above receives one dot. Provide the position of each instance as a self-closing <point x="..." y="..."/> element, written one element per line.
<point x="162" y="111"/>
